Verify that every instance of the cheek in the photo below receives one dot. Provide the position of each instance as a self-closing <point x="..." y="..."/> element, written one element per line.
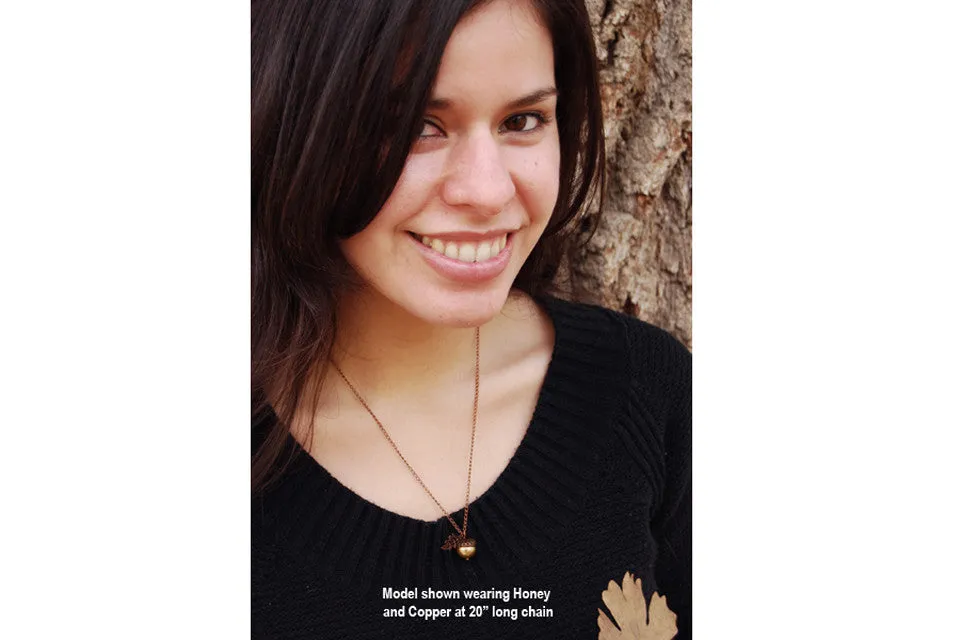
<point x="408" y="199"/>
<point x="413" y="190"/>
<point x="539" y="177"/>
<point x="357" y="250"/>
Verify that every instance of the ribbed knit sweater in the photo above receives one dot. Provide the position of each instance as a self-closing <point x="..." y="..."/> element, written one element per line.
<point x="600" y="485"/>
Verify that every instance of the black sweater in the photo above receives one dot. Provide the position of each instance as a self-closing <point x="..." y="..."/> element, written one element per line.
<point x="600" y="485"/>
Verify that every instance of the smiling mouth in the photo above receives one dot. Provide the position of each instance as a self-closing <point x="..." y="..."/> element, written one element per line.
<point x="464" y="251"/>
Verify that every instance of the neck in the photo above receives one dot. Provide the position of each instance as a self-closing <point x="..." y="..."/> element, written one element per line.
<point x="380" y="346"/>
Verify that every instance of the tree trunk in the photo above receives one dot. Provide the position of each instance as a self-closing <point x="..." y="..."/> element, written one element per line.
<point x="639" y="259"/>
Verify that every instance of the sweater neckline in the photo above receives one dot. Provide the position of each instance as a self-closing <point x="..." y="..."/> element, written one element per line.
<point x="529" y="504"/>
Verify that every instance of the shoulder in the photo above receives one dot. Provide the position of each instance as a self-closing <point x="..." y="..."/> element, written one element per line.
<point x="655" y="366"/>
<point x="646" y="344"/>
<point x="658" y="358"/>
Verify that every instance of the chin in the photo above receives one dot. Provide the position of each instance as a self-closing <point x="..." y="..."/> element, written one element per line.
<point x="461" y="309"/>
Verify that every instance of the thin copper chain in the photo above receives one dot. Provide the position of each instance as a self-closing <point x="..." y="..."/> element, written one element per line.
<point x="473" y="439"/>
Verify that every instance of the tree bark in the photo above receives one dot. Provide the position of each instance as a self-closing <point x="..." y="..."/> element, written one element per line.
<point x="639" y="258"/>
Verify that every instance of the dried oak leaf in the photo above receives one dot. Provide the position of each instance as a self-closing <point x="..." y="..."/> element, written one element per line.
<point x="629" y="609"/>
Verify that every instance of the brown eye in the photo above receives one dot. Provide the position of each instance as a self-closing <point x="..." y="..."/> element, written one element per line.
<point x="521" y="123"/>
<point x="430" y="130"/>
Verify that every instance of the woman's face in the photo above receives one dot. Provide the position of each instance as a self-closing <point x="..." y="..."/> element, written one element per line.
<point x="480" y="184"/>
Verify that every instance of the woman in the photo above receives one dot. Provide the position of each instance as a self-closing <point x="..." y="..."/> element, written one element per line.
<point x="440" y="448"/>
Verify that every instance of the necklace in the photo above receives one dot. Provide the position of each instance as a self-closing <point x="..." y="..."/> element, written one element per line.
<point x="466" y="547"/>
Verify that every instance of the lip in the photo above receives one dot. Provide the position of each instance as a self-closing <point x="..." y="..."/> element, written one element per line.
<point x="466" y="272"/>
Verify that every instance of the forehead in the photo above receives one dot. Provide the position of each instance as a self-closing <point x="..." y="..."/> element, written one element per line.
<point x="498" y="51"/>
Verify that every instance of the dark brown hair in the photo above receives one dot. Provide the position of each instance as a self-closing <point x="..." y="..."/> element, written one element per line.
<point x="339" y="89"/>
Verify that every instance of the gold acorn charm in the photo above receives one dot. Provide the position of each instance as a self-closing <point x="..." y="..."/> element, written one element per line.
<point x="466" y="547"/>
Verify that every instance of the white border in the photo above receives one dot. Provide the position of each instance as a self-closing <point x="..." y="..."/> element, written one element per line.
<point x="125" y="338"/>
<point x="825" y="322"/>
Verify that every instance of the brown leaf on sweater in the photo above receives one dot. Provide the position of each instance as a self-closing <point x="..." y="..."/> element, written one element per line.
<point x="629" y="609"/>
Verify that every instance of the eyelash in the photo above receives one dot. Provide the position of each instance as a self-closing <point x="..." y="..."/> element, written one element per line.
<point x="541" y="118"/>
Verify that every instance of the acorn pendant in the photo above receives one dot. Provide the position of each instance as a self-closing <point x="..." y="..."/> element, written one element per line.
<point x="467" y="548"/>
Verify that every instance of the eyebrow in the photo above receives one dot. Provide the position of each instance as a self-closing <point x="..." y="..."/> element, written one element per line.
<point x="532" y="98"/>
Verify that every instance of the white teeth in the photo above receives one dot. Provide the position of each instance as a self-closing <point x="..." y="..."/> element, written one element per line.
<point x="483" y="252"/>
<point x="467" y="251"/>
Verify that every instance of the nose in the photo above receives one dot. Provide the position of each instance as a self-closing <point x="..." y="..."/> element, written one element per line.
<point x="477" y="178"/>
